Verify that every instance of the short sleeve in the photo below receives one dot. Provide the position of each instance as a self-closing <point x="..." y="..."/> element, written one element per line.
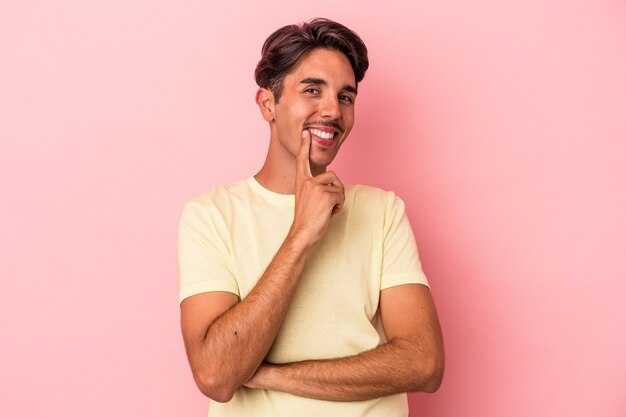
<point x="203" y="255"/>
<point x="401" y="264"/>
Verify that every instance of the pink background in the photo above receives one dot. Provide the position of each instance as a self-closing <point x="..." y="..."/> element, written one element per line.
<point x="501" y="124"/>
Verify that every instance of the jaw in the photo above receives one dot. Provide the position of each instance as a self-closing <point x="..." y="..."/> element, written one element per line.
<point x="323" y="152"/>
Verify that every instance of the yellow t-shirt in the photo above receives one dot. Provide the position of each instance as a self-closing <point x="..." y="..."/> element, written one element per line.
<point x="228" y="238"/>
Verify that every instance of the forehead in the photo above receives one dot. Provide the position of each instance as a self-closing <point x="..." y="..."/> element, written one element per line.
<point x="329" y="65"/>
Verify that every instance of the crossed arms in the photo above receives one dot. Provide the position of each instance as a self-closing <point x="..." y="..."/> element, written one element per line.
<point x="227" y="340"/>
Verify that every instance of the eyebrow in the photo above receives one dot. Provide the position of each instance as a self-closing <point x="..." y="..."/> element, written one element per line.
<point x="319" y="81"/>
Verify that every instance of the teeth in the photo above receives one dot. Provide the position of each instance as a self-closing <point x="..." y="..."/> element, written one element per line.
<point x="322" y="134"/>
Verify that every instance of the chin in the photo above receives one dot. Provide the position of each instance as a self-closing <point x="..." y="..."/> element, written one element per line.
<point x="322" y="158"/>
<point x="321" y="162"/>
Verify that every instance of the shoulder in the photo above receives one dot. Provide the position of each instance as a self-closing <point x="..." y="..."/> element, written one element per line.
<point x="215" y="202"/>
<point x="360" y="194"/>
<point x="375" y="204"/>
<point x="220" y="194"/>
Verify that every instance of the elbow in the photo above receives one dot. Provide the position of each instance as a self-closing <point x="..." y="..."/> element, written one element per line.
<point x="433" y="382"/>
<point x="429" y="376"/>
<point x="217" y="389"/>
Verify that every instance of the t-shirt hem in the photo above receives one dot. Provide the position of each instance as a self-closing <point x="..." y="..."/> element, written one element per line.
<point x="199" y="289"/>
<point x="394" y="281"/>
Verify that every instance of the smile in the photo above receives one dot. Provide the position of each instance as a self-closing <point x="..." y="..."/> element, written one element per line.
<point x="321" y="134"/>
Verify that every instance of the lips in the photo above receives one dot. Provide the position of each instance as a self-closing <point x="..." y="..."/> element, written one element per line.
<point x="325" y="137"/>
<point x="322" y="134"/>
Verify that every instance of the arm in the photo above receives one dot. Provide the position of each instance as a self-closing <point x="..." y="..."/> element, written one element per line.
<point x="226" y="341"/>
<point x="411" y="360"/>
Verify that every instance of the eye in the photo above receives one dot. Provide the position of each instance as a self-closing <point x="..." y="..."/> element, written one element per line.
<point x="312" y="90"/>
<point x="345" y="99"/>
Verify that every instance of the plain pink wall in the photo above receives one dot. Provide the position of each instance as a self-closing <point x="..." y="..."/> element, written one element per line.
<point x="502" y="125"/>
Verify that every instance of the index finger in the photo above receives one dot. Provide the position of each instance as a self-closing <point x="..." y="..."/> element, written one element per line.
<point x="303" y="166"/>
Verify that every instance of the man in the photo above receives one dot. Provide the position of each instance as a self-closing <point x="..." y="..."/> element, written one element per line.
<point x="302" y="296"/>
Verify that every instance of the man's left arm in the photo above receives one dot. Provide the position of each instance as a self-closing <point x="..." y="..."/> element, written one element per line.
<point x="411" y="360"/>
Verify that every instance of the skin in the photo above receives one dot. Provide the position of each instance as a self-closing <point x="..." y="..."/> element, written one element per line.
<point x="227" y="339"/>
<point x="303" y="105"/>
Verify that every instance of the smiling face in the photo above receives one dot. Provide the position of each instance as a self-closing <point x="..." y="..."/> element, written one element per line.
<point x="319" y="96"/>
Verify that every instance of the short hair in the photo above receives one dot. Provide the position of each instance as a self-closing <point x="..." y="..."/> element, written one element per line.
<point x="284" y="48"/>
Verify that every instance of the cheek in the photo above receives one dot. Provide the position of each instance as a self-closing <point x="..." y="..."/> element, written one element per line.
<point x="348" y="121"/>
<point x="348" y="114"/>
<point x="295" y="114"/>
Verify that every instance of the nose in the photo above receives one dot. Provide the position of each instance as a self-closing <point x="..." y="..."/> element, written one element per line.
<point x="329" y="108"/>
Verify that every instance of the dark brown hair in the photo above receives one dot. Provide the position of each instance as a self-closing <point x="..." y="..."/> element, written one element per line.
<point x="283" y="49"/>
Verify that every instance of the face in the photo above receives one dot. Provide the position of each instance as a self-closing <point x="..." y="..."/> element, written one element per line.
<point x="319" y="96"/>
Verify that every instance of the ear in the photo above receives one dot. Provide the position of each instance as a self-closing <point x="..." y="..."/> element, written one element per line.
<point x="265" y="101"/>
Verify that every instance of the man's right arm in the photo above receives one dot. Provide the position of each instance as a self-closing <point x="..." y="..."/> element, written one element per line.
<point x="226" y="341"/>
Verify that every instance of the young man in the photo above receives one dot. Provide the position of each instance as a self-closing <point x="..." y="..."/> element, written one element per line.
<point x="302" y="296"/>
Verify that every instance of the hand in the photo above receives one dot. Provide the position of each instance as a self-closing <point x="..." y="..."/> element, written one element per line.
<point x="260" y="377"/>
<point x="317" y="198"/>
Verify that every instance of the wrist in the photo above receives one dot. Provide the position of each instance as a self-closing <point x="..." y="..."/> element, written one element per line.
<point x="266" y="377"/>
<point x="299" y="242"/>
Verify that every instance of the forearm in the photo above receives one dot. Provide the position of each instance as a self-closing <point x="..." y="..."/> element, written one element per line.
<point x="237" y="341"/>
<point x="392" y="368"/>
